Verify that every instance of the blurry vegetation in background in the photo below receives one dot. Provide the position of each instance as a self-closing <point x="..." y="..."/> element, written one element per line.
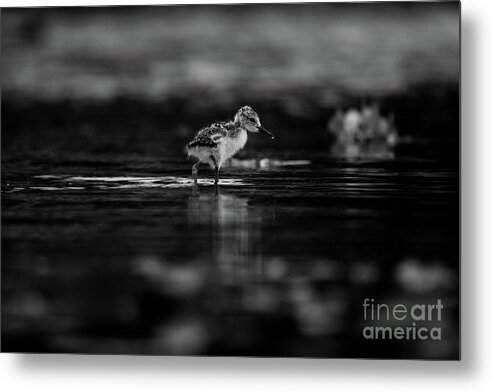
<point x="173" y="68"/>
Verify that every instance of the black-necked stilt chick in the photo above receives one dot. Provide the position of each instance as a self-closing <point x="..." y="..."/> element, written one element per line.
<point x="218" y="142"/>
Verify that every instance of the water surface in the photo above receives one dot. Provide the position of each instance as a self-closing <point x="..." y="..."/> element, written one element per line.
<point x="277" y="262"/>
<point x="107" y="248"/>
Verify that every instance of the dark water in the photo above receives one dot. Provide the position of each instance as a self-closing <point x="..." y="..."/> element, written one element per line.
<point x="127" y="259"/>
<point x="107" y="249"/>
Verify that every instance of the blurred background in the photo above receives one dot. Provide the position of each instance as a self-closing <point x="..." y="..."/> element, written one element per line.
<point x="105" y="249"/>
<point x="174" y="68"/>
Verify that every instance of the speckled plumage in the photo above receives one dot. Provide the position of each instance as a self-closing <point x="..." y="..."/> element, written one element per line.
<point x="218" y="141"/>
<point x="215" y="144"/>
<point x="204" y="137"/>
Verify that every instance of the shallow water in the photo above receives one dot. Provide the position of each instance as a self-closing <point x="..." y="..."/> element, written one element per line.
<point x="108" y="248"/>
<point x="277" y="262"/>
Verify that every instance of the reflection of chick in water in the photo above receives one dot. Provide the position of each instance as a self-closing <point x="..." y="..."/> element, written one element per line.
<point x="234" y="234"/>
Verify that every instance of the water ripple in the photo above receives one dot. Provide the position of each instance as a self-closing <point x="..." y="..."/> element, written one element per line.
<point x="125" y="182"/>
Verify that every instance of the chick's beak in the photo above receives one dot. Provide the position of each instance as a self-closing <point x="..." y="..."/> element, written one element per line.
<point x="263" y="130"/>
